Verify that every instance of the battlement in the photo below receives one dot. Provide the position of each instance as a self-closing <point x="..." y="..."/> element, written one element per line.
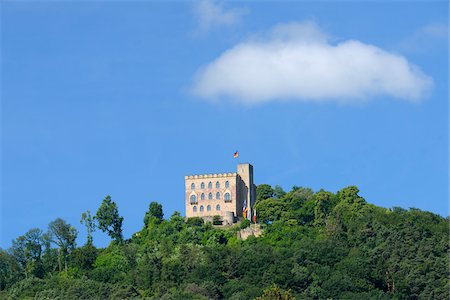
<point x="217" y="175"/>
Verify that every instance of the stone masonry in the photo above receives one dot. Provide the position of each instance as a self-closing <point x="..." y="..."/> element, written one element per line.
<point x="222" y="194"/>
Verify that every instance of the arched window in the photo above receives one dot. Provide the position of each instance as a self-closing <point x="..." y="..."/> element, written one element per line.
<point x="193" y="186"/>
<point x="202" y="186"/>
<point x="201" y="208"/>
<point x="227" y="184"/>
<point x="227" y="197"/>
<point x="194" y="209"/>
<point x="217" y="185"/>
<point x="217" y="195"/>
<point x="210" y="185"/>
<point x="210" y="196"/>
<point x="217" y="207"/>
<point x="202" y="196"/>
<point x="193" y="199"/>
<point x="208" y="208"/>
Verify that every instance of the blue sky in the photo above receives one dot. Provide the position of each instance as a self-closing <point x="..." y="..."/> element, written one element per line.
<point x="125" y="98"/>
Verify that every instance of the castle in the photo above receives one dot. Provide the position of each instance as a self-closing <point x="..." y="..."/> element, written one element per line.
<point x="228" y="195"/>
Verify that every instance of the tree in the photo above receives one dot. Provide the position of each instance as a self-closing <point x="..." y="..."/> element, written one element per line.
<point x="9" y="270"/>
<point x="109" y="220"/>
<point x="323" y="204"/>
<point x="17" y="250"/>
<point x="274" y="292"/>
<point x="278" y="192"/>
<point x="350" y="195"/>
<point x="298" y="196"/>
<point x="263" y="191"/>
<point x="84" y="257"/>
<point x="154" y="213"/>
<point x="50" y="256"/>
<point x="27" y="250"/>
<point x="195" y="221"/>
<point x="270" y="210"/>
<point x="177" y="221"/>
<point x="88" y="221"/>
<point x="244" y="223"/>
<point x="63" y="235"/>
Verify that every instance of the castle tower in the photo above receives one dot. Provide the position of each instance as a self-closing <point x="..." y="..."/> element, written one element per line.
<point x="221" y="194"/>
<point x="246" y="188"/>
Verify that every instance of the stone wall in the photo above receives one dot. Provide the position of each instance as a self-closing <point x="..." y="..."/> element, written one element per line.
<point x="253" y="230"/>
<point x="197" y="180"/>
<point x="240" y="188"/>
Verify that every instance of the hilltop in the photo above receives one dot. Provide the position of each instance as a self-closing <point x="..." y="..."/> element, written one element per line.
<point x="320" y="245"/>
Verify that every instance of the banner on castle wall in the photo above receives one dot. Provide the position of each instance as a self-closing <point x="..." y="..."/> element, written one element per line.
<point x="244" y="210"/>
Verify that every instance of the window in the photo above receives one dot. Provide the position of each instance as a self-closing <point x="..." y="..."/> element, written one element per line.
<point x="210" y="185"/>
<point x="217" y="207"/>
<point x="194" y="209"/>
<point x="208" y="208"/>
<point x="193" y="186"/>
<point x="217" y="195"/>
<point x="227" y="197"/>
<point x="217" y="185"/>
<point x="193" y="199"/>
<point x="227" y="184"/>
<point x="202" y="196"/>
<point x="202" y="186"/>
<point x="210" y="196"/>
<point x="201" y="208"/>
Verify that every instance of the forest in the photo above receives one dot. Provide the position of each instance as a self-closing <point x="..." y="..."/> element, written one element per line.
<point x="315" y="245"/>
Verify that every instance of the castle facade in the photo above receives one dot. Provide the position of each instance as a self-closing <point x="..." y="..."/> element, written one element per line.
<point x="228" y="195"/>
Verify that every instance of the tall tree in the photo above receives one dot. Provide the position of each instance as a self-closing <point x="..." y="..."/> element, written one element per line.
<point x="27" y="250"/>
<point x="88" y="221"/>
<point x="278" y="192"/>
<point x="63" y="235"/>
<point x="109" y="220"/>
<point x="322" y="206"/>
<point x="264" y="191"/>
<point x="9" y="270"/>
<point x="155" y="212"/>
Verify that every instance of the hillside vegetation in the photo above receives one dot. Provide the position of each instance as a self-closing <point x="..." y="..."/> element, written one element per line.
<point x="315" y="245"/>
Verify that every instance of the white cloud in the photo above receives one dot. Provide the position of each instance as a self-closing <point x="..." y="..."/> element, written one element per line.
<point x="212" y="14"/>
<point x="296" y="61"/>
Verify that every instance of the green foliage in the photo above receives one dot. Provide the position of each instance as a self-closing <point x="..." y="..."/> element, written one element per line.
<point x="69" y="288"/>
<point x="278" y="192"/>
<point x="217" y="220"/>
<point x="270" y="209"/>
<point x="63" y="235"/>
<point x="9" y="270"/>
<point x="324" y="202"/>
<point x="319" y="245"/>
<point x="276" y="293"/>
<point x="263" y="191"/>
<point x="88" y="221"/>
<point x="195" y="221"/>
<point x="109" y="220"/>
<point x="84" y="257"/>
<point x="27" y="252"/>
<point x="154" y="214"/>
<point x="110" y="266"/>
<point x="244" y="223"/>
